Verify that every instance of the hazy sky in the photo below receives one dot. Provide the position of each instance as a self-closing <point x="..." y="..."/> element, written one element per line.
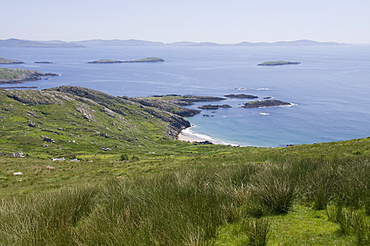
<point x="221" y="21"/>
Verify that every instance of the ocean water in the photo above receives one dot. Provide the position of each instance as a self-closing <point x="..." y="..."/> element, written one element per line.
<point x="329" y="89"/>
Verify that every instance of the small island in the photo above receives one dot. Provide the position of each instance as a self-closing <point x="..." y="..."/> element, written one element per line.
<point x="241" y="96"/>
<point x="214" y="107"/>
<point x="265" y="103"/>
<point x="278" y="63"/>
<point x="105" y="61"/>
<point x="9" y="61"/>
<point x="18" y="75"/>
<point x="148" y="59"/>
<point x="43" y="62"/>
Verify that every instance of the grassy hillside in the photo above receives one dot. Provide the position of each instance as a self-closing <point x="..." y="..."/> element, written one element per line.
<point x="150" y="189"/>
<point x="69" y="121"/>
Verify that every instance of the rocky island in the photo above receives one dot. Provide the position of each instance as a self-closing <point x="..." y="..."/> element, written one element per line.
<point x="105" y="61"/>
<point x="278" y="63"/>
<point x="241" y="96"/>
<point x="148" y="59"/>
<point x="18" y="75"/>
<point x="214" y="107"/>
<point x="265" y="103"/>
<point x="43" y="62"/>
<point x="9" y="61"/>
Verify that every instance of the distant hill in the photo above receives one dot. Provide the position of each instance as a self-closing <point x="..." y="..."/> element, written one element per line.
<point x="118" y="42"/>
<point x="134" y="42"/>
<point x="289" y="43"/>
<point x="13" y="42"/>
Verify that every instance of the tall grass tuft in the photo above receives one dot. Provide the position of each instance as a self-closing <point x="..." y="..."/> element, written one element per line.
<point x="179" y="208"/>
<point x="272" y="191"/>
<point x="257" y="231"/>
<point x="321" y="185"/>
<point x="45" y="219"/>
<point x="351" y="222"/>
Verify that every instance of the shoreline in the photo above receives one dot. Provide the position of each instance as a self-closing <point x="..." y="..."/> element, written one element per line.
<point x="191" y="138"/>
<point x="187" y="136"/>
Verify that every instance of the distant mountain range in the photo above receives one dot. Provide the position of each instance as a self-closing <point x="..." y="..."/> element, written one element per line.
<point x="133" y="42"/>
<point x="13" y="42"/>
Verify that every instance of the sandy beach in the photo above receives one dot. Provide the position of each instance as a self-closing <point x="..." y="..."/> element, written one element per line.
<point x="188" y="137"/>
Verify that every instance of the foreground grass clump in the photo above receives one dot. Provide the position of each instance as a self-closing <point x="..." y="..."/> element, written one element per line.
<point x="201" y="201"/>
<point x="177" y="208"/>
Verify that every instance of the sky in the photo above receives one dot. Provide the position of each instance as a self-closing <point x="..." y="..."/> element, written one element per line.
<point x="220" y="21"/>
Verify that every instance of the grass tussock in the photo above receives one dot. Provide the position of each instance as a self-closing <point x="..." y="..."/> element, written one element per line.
<point x="227" y="198"/>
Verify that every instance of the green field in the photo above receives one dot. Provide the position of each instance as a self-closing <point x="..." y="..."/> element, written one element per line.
<point x="125" y="180"/>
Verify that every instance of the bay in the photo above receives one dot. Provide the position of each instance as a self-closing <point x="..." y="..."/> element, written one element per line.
<point x="329" y="89"/>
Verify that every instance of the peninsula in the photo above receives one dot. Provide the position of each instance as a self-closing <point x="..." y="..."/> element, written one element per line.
<point x="18" y="75"/>
<point x="278" y="63"/>
<point x="9" y="61"/>
<point x="265" y="103"/>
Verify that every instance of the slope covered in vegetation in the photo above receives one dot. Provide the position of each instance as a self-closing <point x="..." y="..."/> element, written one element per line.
<point x="150" y="189"/>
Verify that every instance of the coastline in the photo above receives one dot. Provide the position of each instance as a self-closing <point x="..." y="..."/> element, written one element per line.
<point x="191" y="138"/>
<point x="187" y="135"/>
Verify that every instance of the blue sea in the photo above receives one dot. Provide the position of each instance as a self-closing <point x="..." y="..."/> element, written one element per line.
<point x="329" y="90"/>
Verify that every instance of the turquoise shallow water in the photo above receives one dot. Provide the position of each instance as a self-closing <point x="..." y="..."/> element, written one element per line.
<point x="329" y="89"/>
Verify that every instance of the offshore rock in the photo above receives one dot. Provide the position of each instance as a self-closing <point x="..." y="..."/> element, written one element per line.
<point x="265" y="103"/>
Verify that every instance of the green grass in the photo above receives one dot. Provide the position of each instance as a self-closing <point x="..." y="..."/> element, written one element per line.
<point x="150" y="189"/>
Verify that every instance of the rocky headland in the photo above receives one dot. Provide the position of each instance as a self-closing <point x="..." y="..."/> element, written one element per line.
<point x="9" y="61"/>
<point x="18" y="75"/>
<point x="174" y="103"/>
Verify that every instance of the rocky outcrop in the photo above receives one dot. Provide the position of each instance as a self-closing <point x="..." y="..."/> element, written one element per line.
<point x="43" y="62"/>
<point x="241" y="96"/>
<point x="148" y="59"/>
<point x="265" y="103"/>
<point x="174" y="103"/>
<point x="214" y="107"/>
<point x="105" y="61"/>
<point x="278" y="63"/>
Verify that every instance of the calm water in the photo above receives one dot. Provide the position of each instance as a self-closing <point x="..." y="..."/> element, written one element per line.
<point x="329" y="88"/>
